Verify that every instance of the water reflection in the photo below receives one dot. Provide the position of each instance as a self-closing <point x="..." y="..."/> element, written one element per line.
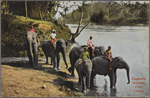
<point x="113" y="92"/>
<point x="105" y="92"/>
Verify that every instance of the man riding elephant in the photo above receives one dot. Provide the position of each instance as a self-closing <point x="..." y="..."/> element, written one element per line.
<point x="89" y="44"/>
<point x="84" y="56"/>
<point x="53" y="38"/>
<point x="109" y="56"/>
<point x="32" y="43"/>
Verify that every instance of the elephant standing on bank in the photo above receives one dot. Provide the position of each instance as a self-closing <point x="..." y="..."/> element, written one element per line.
<point x="101" y="67"/>
<point x="84" y="72"/>
<point x="54" y="52"/>
<point x="31" y="44"/>
<point x="77" y="50"/>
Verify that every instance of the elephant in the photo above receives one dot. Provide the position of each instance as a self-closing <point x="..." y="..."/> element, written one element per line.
<point x="77" y="50"/>
<point x="101" y="67"/>
<point x="84" y="72"/>
<point x="32" y="44"/>
<point x="54" y="52"/>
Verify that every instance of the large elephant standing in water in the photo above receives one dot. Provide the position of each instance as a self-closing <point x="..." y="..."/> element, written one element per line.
<point x="101" y="67"/>
<point x="77" y="50"/>
<point x="54" y="52"/>
<point x="31" y="44"/>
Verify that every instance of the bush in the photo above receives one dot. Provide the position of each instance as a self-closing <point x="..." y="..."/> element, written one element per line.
<point x="98" y="17"/>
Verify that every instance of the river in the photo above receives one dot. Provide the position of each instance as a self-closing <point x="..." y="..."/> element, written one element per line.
<point x="129" y="42"/>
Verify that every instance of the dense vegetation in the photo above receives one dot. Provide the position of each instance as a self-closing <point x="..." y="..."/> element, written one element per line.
<point x="16" y="17"/>
<point x="112" y="13"/>
<point x="44" y="10"/>
<point x="15" y="27"/>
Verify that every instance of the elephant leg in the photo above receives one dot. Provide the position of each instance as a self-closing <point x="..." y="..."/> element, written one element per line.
<point x="88" y="77"/>
<point x="115" y="75"/>
<point x="51" y="62"/>
<point x="83" y="83"/>
<point x="35" y="54"/>
<point x="55" y="62"/>
<point x="79" y="82"/>
<point x="47" y="59"/>
<point x="92" y="82"/>
<point x="112" y="78"/>
<point x="72" y="68"/>
<point x="58" y="61"/>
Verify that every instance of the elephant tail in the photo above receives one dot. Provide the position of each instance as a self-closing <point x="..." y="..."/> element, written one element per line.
<point x="70" y="69"/>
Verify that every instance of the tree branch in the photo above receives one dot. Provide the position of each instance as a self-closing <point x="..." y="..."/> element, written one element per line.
<point x="81" y="30"/>
<point x="79" y="23"/>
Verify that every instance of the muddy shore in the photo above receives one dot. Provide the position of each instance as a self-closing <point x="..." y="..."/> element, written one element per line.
<point x="20" y="80"/>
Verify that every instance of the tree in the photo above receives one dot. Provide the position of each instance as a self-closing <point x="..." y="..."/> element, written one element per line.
<point x="6" y="7"/>
<point x="26" y="9"/>
<point x="78" y="31"/>
<point x="97" y="17"/>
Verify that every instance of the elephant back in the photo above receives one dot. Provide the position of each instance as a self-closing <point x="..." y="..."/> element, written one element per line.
<point x="100" y="64"/>
<point x="46" y="46"/>
<point x="46" y="43"/>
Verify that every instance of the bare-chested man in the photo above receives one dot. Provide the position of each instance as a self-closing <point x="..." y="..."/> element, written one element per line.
<point x="109" y="55"/>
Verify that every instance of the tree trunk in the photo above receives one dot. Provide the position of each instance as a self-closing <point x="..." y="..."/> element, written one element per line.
<point x="40" y="11"/>
<point x="26" y="9"/>
<point x="74" y="35"/>
<point x="6" y="7"/>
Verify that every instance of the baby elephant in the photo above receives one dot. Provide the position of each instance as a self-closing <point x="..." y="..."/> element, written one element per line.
<point x="84" y="72"/>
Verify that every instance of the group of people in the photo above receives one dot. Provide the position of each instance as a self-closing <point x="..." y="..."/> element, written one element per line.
<point x="85" y="54"/>
<point x="53" y="35"/>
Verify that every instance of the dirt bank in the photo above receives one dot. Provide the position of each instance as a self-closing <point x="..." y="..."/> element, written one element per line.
<point x="19" y="80"/>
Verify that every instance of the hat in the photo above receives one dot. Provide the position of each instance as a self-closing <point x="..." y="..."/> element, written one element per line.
<point x="85" y="47"/>
<point x="54" y="30"/>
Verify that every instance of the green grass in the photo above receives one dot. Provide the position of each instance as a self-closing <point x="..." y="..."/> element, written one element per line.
<point x="15" y="27"/>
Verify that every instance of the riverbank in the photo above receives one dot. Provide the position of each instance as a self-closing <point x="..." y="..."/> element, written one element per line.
<point x="119" y="22"/>
<point x="19" y="80"/>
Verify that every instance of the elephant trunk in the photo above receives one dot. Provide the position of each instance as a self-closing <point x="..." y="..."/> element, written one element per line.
<point x="64" y="58"/>
<point x="127" y="69"/>
<point x="88" y="79"/>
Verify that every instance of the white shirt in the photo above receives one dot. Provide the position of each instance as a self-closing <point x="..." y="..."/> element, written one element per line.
<point x="53" y="35"/>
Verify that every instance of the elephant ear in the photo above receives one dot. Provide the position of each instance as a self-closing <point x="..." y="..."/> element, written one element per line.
<point x="96" y="52"/>
<point x="66" y="43"/>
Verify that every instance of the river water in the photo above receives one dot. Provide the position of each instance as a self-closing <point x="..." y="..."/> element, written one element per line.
<point x="129" y="42"/>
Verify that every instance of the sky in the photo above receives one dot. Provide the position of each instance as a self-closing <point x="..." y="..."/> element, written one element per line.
<point x="68" y="4"/>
